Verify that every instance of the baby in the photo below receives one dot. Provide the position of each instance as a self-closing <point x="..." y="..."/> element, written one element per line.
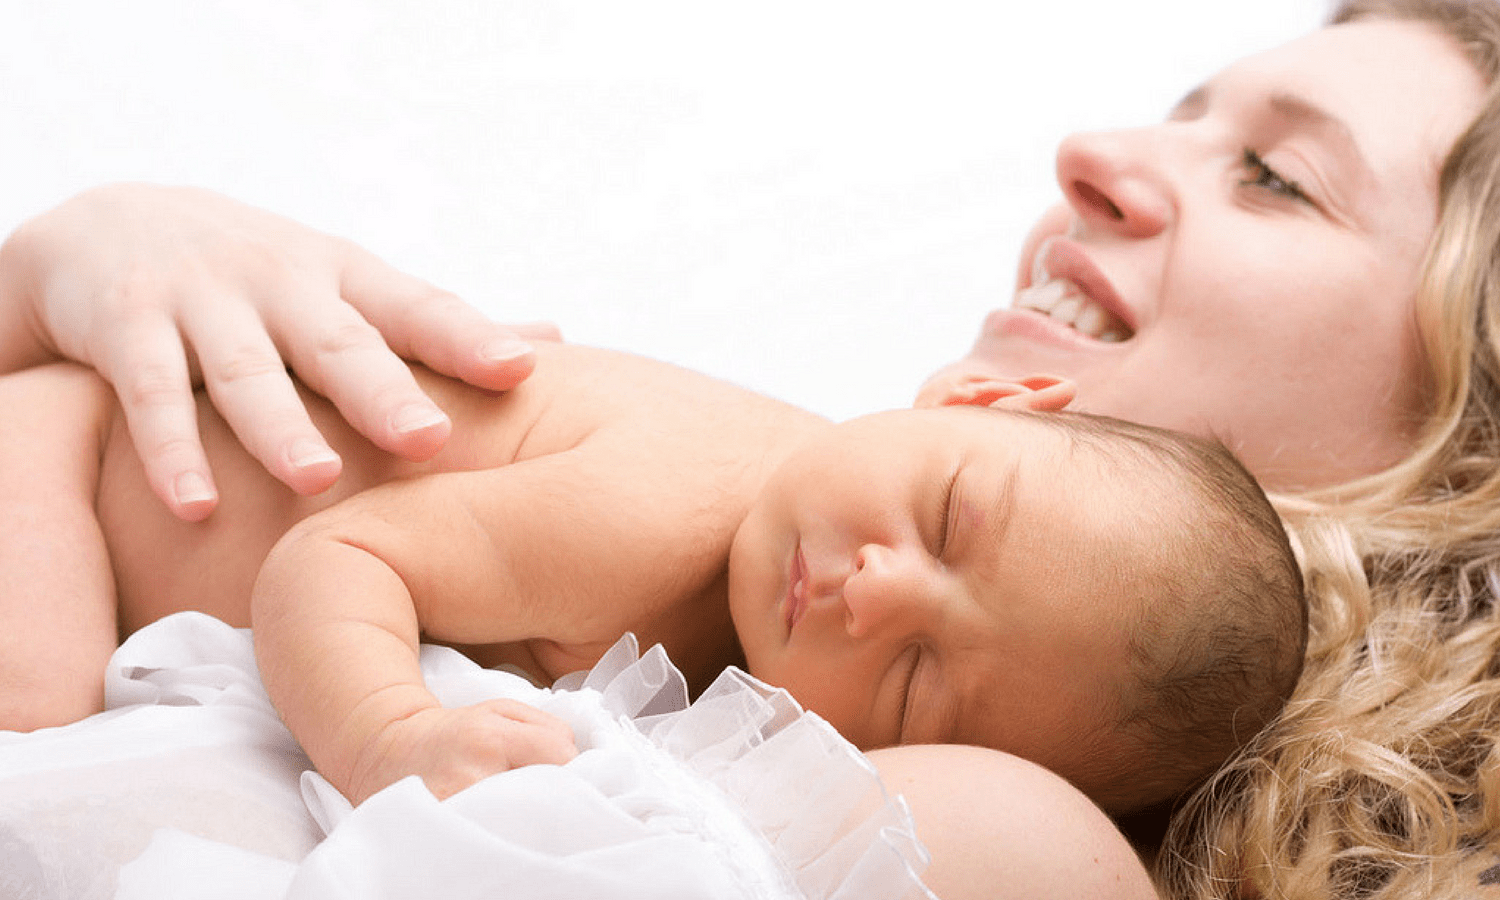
<point x="1114" y="602"/>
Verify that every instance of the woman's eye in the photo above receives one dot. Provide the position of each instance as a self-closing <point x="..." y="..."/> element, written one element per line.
<point x="1263" y="176"/>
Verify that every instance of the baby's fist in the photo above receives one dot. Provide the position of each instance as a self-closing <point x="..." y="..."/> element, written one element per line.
<point x="453" y="748"/>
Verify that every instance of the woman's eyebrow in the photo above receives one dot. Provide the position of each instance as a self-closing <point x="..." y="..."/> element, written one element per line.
<point x="1307" y="116"/>
<point x="1301" y="114"/>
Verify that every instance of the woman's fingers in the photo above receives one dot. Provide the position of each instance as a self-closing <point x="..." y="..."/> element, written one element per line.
<point x="143" y="282"/>
<point x="426" y="324"/>
<point x="343" y="357"/>
<point x="148" y="368"/>
<point x="250" y="387"/>
<point x="536" y="331"/>
<point x="243" y="346"/>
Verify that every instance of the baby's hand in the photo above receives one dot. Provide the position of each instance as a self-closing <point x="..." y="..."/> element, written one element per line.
<point x="453" y="748"/>
<point x="158" y="288"/>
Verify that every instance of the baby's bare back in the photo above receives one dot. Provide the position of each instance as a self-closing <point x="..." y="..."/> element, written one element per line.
<point x="163" y="565"/>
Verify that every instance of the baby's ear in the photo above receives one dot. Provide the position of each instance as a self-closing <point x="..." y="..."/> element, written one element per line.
<point x="1039" y="393"/>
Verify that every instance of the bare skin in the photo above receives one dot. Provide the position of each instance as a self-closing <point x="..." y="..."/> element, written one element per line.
<point x="176" y="287"/>
<point x="1001" y="828"/>
<point x="156" y="564"/>
<point x="609" y="494"/>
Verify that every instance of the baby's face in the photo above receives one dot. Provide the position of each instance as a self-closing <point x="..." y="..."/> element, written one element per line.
<point x="953" y="575"/>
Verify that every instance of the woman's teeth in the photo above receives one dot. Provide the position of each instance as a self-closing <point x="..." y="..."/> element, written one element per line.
<point x="1064" y="302"/>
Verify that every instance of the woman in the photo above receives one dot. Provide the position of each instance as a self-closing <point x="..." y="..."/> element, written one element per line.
<point x="1302" y="260"/>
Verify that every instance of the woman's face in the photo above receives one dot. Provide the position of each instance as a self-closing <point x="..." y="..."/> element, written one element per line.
<point x="1247" y="268"/>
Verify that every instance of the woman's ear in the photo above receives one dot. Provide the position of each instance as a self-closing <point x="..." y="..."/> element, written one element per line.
<point x="1039" y="393"/>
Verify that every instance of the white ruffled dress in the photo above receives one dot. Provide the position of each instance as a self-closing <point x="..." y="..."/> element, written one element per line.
<point x="189" y="787"/>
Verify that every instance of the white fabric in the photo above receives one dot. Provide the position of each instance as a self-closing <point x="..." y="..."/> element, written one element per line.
<point x="189" y="787"/>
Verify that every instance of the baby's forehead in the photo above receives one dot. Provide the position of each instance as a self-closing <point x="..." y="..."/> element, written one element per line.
<point x="1123" y="502"/>
<point x="1130" y="458"/>
<point x="1063" y="453"/>
<point x="1097" y="495"/>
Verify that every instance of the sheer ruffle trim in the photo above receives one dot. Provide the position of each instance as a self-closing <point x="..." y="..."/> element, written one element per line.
<point x="739" y="794"/>
<point x="807" y="793"/>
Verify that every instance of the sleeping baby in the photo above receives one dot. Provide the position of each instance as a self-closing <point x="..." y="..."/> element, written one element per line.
<point x="1114" y="602"/>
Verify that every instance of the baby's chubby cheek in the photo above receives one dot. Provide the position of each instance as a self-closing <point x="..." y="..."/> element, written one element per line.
<point x="837" y="703"/>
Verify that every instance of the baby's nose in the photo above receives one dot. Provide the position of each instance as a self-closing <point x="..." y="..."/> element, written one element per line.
<point x="886" y="592"/>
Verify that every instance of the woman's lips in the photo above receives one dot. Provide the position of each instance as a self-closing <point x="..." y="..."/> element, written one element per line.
<point x="1024" y="328"/>
<point x="796" y="590"/>
<point x="1066" y="285"/>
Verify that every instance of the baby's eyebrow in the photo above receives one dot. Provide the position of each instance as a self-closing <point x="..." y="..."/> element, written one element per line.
<point x="989" y="522"/>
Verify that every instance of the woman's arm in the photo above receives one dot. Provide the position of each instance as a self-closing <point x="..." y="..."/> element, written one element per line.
<point x="159" y="288"/>
<point x="1001" y="828"/>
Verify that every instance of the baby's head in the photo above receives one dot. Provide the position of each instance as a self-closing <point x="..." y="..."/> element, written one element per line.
<point x="1115" y="602"/>
<point x="1221" y="628"/>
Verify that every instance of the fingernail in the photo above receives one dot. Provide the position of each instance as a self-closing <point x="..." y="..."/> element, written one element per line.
<point x="504" y="349"/>
<point x="416" y="418"/>
<point x="192" y="488"/>
<point x="306" y="453"/>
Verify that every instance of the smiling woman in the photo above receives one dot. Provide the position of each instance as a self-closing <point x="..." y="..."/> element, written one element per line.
<point x="1381" y="778"/>
<point x="1196" y="238"/>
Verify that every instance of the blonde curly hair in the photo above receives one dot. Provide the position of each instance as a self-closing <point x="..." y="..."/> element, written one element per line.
<point x="1382" y="777"/>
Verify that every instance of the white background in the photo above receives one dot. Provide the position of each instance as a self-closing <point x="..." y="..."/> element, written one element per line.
<point x="815" y="198"/>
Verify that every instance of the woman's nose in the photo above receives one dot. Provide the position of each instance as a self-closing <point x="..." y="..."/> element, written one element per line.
<point x="1116" y="181"/>
<point x="888" y="592"/>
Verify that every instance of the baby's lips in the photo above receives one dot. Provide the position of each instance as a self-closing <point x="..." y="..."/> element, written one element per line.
<point x="796" y="598"/>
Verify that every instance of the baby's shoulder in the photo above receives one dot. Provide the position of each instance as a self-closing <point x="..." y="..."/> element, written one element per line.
<point x="628" y="416"/>
<point x="580" y="392"/>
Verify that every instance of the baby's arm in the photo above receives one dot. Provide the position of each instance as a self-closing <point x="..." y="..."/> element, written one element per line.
<point x="476" y="558"/>
<point x="339" y="609"/>
<point x="158" y="288"/>
<point x="337" y="637"/>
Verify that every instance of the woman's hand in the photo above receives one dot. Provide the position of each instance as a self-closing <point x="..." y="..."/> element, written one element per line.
<point x="162" y="288"/>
